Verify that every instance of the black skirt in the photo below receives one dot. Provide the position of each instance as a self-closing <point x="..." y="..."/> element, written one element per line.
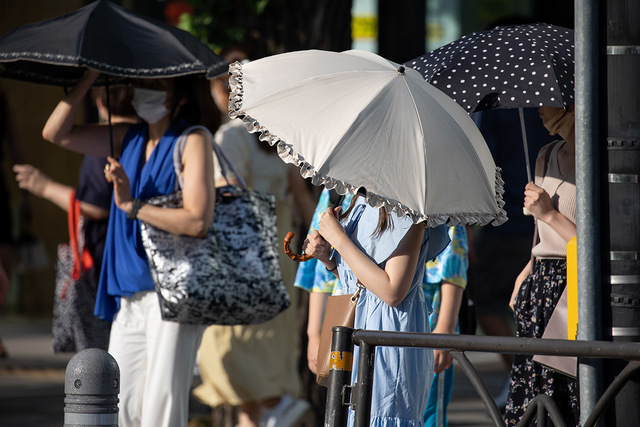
<point x="534" y="304"/>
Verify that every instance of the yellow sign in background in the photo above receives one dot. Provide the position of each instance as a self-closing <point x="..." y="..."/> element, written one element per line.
<point x="364" y="27"/>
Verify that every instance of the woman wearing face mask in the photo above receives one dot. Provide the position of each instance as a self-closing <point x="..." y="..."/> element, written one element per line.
<point x="156" y="358"/>
<point x="552" y="202"/>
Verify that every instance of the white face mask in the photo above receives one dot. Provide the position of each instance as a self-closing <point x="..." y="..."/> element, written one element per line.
<point x="150" y="104"/>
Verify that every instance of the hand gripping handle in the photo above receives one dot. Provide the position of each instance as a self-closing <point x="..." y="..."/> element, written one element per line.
<point x="287" y="250"/>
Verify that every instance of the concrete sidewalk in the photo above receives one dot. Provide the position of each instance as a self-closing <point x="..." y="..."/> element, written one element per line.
<point x="32" y="377"/>
<point x="32" y="381"/>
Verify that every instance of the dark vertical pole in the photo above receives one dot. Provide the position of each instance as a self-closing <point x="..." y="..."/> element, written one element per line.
<point x="589" y="144"/>
<point x="623" y="155"/>
<point x="364" y="385"/>
<point x="339" y="376"/>
<point x="402" y="29"/>
<point x="108" y="95"/>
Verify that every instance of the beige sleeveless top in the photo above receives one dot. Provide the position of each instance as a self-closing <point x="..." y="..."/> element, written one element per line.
<point x="562" y="190"/>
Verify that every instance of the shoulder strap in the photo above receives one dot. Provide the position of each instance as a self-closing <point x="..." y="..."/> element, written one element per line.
<point x="224" y="162"/>
<point x="541" y="168"/>
<point x="82" y="260"/>
<point x="73" y="218"/>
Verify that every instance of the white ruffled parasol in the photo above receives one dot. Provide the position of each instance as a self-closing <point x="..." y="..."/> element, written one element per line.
<point x="354" y="119"/>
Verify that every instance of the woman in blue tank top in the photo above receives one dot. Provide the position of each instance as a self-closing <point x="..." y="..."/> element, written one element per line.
<point x="155" y="357"/>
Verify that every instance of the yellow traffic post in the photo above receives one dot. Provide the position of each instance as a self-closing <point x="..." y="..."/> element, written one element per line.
<point x="572" y="289"/>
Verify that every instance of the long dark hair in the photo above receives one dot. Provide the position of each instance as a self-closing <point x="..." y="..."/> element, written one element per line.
<point x="199" y="108"/>
<point x="120" y="97"/>
<point x="384" y="219"/>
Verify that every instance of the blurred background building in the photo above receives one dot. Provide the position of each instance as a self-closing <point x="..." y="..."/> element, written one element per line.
<point x="398" y="30"/>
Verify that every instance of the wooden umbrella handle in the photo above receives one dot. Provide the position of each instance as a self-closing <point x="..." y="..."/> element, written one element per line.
<point x="287" y="250"/>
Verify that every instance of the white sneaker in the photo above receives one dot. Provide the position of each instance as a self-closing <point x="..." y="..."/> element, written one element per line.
<point x="285" y="414"/>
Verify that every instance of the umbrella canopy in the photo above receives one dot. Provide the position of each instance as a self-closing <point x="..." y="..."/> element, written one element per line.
<point x="354" y="119"/>
<point x="507" y="67"/>
<point x="107" y="38"/>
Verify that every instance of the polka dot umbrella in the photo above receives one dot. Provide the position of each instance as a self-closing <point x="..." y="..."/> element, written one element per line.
<point x="507" y="67"/>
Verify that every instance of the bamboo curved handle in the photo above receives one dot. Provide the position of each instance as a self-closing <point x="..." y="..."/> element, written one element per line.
<point x="287" y="250"/>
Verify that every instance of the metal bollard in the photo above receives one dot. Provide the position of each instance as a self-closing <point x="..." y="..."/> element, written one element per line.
<point x="338" y="388"/>
<point x="91" y="386"/>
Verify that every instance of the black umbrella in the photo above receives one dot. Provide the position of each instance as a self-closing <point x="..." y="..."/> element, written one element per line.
<point x="107" y="38"/>
<point x="517" y="66"/>
<point x="507" y="67"/>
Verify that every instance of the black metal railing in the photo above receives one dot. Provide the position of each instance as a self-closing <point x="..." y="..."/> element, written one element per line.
<point x="342" y="395"/>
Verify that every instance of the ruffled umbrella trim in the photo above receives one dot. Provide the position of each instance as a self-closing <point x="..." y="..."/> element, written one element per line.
<point x="288" y="155"/>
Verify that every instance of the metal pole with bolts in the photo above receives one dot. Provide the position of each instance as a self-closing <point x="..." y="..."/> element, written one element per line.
<point x="588" y="189"/>
<point x="622" y="162"/>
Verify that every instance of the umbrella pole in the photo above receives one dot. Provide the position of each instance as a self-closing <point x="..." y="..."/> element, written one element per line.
<point x="106" y="83"/>
<point x="525" y="144"/>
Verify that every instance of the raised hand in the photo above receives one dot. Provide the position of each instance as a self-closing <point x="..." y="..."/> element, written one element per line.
<point x="317" y="247"/>
<point x="538" y="202"/>
<point x="31" y="179"/>
<point x="121" y="188"/>
<point x="329" y="227"/>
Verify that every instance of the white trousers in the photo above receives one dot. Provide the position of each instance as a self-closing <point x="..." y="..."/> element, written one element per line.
<point x="156" y="360"/>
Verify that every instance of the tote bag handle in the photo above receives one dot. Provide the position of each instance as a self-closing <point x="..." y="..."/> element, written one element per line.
<point x="225" y="163"/>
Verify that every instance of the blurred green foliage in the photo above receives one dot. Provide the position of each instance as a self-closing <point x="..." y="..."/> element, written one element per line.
<point x="220" y="23"/>
<point x="268" y="27"/>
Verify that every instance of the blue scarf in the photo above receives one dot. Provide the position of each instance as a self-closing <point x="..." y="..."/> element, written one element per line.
<point x="125" y="269"/>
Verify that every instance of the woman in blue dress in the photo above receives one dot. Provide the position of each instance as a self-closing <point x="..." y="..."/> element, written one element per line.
<point x="156" y="357"/>
<point x="387" y="255"/>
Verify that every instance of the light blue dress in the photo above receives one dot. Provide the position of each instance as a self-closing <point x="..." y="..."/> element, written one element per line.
<point x="400" y="374"/>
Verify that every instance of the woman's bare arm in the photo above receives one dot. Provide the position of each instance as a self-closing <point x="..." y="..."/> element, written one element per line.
<point x="317" y="304"/>
<point x="92" y="139"/>
<point x="39" y="184"/>
<point x="450" y="301"/>
<point x="194" y="218"/>
<point x="538" y="201"/>
<point x="390" y="284"/>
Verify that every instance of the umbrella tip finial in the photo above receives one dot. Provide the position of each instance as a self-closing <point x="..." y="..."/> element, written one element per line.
<point x="401" y="69"/>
